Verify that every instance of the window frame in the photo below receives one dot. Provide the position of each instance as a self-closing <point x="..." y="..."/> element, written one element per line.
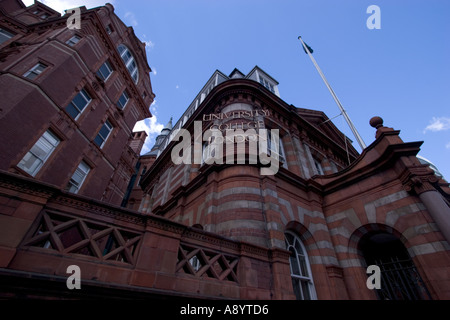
<point x="301" y="278"/>
<point x="119" y="103"/>
<point x="267" y="84"/>
<point x="111" y="128"/>
<point x="85" y="95"/>
<point x="109" y="69"/>
<point x="123" y="50"/>
<point x="281" y="152"/>
<point x="109" y="28"/>
<point x="34" y="154"/>
<point x="72" y="183"/>
<point x="318" y="166"/>
<point x="71" y="42"/>
<point x="7" y="34"/>
<point x="34" y="71"/>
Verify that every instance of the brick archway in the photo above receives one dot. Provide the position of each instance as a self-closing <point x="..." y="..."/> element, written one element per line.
<point x="354" y="240"/>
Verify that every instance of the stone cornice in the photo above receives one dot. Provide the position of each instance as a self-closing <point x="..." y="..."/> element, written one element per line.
<point x="26" y="185"/>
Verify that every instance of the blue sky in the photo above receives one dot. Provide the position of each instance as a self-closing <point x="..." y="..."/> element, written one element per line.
<point x="400" y="72"/>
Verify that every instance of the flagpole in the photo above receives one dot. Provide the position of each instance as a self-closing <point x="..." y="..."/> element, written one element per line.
<point x="343" y="112"/>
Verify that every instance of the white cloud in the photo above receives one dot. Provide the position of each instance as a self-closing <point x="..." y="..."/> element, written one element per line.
<point x="152" y="127"/>
<point x="149" y="44"/>
<point x="177" y="87"/>
<point x="154" y="71"/>
<point x="61" y="5"/>
<point x="438" y="124"/>
<point x="131" y="18"/>
<point x="447" y="145"/>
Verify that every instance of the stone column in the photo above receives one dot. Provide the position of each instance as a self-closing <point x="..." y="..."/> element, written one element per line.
<point x="433" y="201"/>
<point x="439" y="210"/>
<point x="419" y="179"/>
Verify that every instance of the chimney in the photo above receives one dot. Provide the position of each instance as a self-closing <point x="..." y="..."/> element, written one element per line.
<point x="138" y="141"/>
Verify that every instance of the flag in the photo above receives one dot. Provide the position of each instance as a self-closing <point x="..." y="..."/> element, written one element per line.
<point x="309" y="48"/>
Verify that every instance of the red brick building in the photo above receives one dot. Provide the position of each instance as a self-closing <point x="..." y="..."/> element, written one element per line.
<point x="70" y="98"/>
<point x="201" y="228"/>
<point x="385" y="208"/>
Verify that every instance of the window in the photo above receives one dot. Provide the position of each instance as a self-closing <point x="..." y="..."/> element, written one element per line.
<point x="109" y="29"/>
<point x="33" y="161"/>
<point x="78" y="177"/>
<point x="105" y="71"/>
<point x="266" y="84"/>
<point x="78" y="104"/>
<point x="103" y="134"/>
<point x="271" y="148"/>
<point x="300" y="269"/>
<point x="209" y="151"/>
<point x="129" y="61"/>
<point x="123" y="100"/>
<point x="5" y="35"/>
<point x="34" y="72"/>
<point x="318" y="165"/>
<point x="73" y="41"/>
<point x="41" y="14"/>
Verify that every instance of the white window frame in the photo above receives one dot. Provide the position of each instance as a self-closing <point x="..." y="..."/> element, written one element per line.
<point x="303" y="279"/>
<point x="318" y="166"/>
<point x="50" y="141"/>
<point x="127" y="98"/>
<point x="82" y="170"/>
<point x="80" y="109"/>
<point x="73" y="40"/>
<point x="281" y="154"/>
<point x="6" y="35"/>
<point x="266" y="83"/>
<point x="110" y="127"/>
<point x="108" y="67"/>
<point x="134" y="72"/>
<point x="34" y="72"/>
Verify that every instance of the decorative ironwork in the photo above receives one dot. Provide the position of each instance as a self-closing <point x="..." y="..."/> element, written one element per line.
<point x="401" y="281"/>
<point x="70" y="235"/>
<point x="205" y="263"/>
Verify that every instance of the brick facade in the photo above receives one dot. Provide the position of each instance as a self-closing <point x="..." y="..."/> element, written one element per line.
<point x="330" y="213"/>
<point x="30" y="107"/>
<point x="145" y="227"/>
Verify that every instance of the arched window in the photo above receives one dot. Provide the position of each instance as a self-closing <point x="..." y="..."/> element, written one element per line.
<point x="130" y="61"/>
<point x="302" y="281"/>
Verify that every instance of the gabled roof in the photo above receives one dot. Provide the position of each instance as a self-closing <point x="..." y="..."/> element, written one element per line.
<point x="321" y="122"/>
<point x="256" y="68"/>
<point x="236" y="73"/>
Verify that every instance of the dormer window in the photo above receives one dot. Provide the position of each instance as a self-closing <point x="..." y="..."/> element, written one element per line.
<point x="41" y="14"/>
<point x="266" y="84"/>
<point x="130" y="62"/>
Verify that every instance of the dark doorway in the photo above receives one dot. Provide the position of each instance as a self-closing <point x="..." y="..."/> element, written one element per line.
<point x="400" y="279"/>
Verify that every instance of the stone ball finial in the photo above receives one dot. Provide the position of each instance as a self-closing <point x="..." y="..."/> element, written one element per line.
<point x="376" y="122"/>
